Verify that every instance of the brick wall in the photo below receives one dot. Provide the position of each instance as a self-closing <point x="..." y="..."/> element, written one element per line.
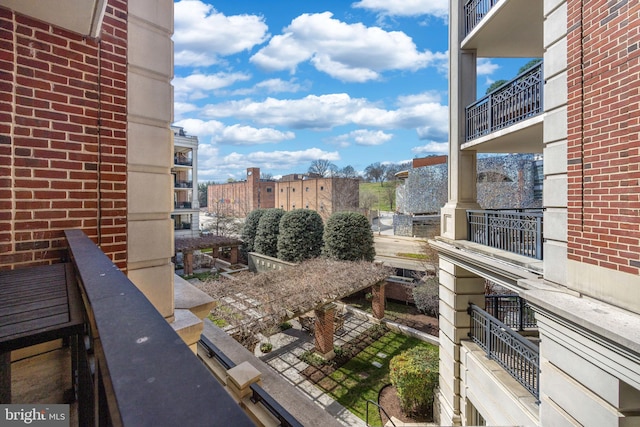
<point x="62" y="137"/>
<point x="603" y="124"/>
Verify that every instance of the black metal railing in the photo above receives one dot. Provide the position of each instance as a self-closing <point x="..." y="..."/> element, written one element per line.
<point x="518" y="356"/>
<point x="183" y="184"/>
<point x="259" y="395"/>
<point x="475" y="11"/>
<point x="131" y="362"/>
<point x="513" y="311"/>
<point x="513" y="102"/>
<point x="519" y="231"/>
<point x="181" y="161"/>
<point x="182" y="205"/>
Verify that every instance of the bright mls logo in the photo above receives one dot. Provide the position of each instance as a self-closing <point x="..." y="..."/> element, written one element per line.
<point x="36" y="415"/>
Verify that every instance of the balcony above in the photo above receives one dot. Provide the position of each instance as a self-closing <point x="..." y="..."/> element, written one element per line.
<point x="504" y="28"/>
<point x="80" y="16"/>
<point x="509" y="119"/>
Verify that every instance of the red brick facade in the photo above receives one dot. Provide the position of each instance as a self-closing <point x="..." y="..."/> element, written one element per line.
<point x="604" y="128"/>
<point x="63" y="145"/>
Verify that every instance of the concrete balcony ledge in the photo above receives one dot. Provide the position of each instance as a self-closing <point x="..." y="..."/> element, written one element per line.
<point x="188" y="297"/>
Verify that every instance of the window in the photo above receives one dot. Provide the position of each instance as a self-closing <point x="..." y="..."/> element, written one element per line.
<point x="282" y="190"/>
<point x="306" y="189"/>
<point x="293" y="190"/>
<point x="269" y="189"/>
<point x="321" y="188"/>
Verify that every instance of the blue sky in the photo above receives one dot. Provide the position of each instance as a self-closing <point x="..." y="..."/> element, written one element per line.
<point x="278" y="84"/>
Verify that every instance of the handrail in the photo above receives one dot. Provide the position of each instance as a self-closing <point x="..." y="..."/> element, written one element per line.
<point x="515" y="101"/>
<point x="140" y="362"/>
<point x="512" y="310"/>
<point x="379" y="407"/>
<point x="259" y="395"/>
<point x="518" y="356"/>
<point x="474" y="12"/>
<point x="509" y="230"/>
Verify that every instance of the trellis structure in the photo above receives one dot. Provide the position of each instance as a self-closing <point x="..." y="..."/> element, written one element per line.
<point x="215" y="243"/>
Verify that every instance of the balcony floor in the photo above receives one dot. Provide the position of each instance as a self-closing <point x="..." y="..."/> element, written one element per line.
<point x="43" y="379"/>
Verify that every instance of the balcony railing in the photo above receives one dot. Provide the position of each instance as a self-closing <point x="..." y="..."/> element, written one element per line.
<point x="518" y="231"/>
<point x="183" y="184"/>
<point x="518" y="356"/>
<point x="258" y="394"/>
<point x="131" y="363"/>
<point x="475" y="11"/>
<point x="182" y="205"/>
<point x="182" y="161"/>
<point x="513" y="311"/>
<point x="513" y="102"/>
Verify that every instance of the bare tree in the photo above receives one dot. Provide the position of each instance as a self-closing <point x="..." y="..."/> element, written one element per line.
<point x="390" y="193"/>
<point x="347" y="172"/>
<point x="375" y="172"/>
<point x="322" y="167"/>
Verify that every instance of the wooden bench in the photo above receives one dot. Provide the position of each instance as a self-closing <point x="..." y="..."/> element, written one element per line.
<point x="37" y="304"/>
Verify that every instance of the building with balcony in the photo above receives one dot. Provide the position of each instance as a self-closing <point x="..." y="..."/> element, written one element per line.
<point x="576" y="265"/>
<point x="88" y="312"/>
<point x="186" y="209"/>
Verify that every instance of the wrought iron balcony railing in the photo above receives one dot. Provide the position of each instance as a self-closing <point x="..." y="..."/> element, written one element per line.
<point x="518" y="231"/>
<point x="183" y="184"/>
<point x="518" y="356"/>
<point x="475" y="11"/>
<point x="513" y="102"/>
<point x="131" y="362"/>
<point x="182" y="161"/>
<point x="513" y="311"/>
<point x="182" y="205"/>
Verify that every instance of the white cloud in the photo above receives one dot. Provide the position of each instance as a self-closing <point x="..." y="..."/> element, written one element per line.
<point x="362" y="137"/>
<point x="198" y="85"/>
<point x="235" y="134"/>
<point x="331" y="110"/>
<point x="432" y="147"/>
<point x="348" y="52"/>
<point x="485" y="67"/>
<point x="273" y="86"/>
<point x="202" y="34"/>
<point x="439" y="8"/>
<point x="211" y="167"/>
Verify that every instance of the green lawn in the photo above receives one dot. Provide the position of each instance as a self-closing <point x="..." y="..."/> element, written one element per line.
<point x="358" y="380"/>
<point x="381" y="193"/>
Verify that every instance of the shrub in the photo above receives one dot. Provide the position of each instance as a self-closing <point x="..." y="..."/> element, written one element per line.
<point x="266" y="241"/>
<point x="348" y="237"/>
<point x="414" y="374"/>
<point x="249" y="230"/>
<point x="285" y="325"/>
<point x="300" y="235"/>
<point x="425" y="295"/>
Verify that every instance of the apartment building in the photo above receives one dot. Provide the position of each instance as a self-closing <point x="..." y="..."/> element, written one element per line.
<point x="186" y="207"/>
<point x="325" y="195"/>
<point x="564" y="348"/>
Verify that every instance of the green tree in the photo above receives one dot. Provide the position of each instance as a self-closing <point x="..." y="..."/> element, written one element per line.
<point x="202" y="193"/>
<point x="375" y="172"/>
<point x="528" y="65"/>
<point x="266" y="241"/>
<point x="495" y="85"/>
<point x="414" y="374"/>
<point x="348" y="236"/>
<point x="300" y="235"/>
<point x="249" y="230"/>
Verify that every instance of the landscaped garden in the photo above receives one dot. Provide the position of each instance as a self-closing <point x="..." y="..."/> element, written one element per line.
<point x="352" y="379"/>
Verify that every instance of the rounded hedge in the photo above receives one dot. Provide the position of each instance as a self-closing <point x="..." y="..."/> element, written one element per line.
<point x="249" y="230"/>
<point x="300" y="235"/>
<point x="266" y="241"/>
<point x="348" y="237"/>
<point x="414" y="374"/>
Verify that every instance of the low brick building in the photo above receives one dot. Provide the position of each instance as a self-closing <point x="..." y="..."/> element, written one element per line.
<point x="294" y="191"/>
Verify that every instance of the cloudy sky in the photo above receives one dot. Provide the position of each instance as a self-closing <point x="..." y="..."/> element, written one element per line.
<point x="278" y="84"/>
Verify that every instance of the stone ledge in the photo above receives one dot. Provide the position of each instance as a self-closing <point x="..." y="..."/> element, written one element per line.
<point x="188" y="297"/>
<point x="188" y="326"/>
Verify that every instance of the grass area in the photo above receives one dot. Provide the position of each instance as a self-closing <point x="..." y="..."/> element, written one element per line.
<point x="420" y="257"/>
<point x="381" y="192"/>
<point x="359" y="380"/>
<point x="392" y="310"/>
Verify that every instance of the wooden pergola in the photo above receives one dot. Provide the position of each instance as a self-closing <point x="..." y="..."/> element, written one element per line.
<point x="215" y="243"/>
<point x="259" y="302"/>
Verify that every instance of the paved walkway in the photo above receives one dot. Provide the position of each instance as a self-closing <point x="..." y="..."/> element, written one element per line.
<point x="288" y="345"/>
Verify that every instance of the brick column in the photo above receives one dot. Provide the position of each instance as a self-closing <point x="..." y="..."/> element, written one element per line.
<point x="187" y="260"/>
<point x="378" y="300"/>
<point x="234" y="255"/>
<point x="324" y="330"/>
<point x="215" y="252"/>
